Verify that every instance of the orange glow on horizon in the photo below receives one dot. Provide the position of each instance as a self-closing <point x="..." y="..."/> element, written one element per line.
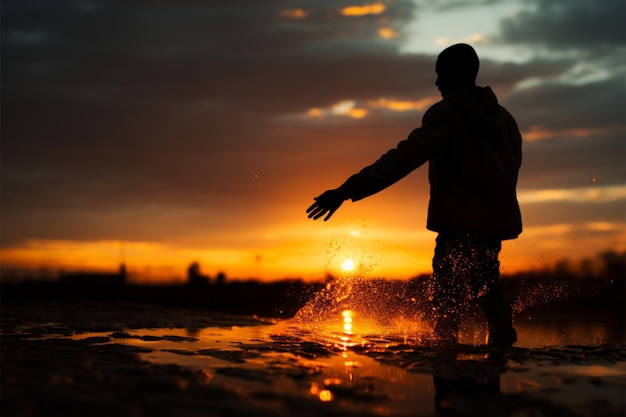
<point x="389" y="248"/>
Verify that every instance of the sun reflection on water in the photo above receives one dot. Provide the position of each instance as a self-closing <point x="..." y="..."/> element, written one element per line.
<point x="326" y="395"/>
<point x="347" y="321"/>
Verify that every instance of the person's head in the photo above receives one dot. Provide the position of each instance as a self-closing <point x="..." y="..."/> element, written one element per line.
<point x="457" y="66"/>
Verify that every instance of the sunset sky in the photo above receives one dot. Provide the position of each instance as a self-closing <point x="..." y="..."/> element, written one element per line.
<point x="159" y="133"/>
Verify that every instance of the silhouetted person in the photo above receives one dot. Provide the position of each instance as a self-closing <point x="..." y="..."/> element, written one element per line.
<point x="473" y="147"/>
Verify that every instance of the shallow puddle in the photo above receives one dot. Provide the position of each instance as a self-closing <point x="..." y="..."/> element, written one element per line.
<point x="338" y="356"/>
<point x="282" y="365"/>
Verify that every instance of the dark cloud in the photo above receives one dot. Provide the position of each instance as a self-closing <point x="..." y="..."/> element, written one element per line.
<point x="568" y="24"/>
<point x="559" y="105"/>
<point x="570" y="162"/>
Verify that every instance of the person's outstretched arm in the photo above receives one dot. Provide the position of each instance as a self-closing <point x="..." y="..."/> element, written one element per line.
<point x="389" y="168"/>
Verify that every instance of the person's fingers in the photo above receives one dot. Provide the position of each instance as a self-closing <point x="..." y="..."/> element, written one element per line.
<point x="315" y="212"/>
<point x="311" y="207"/>
<point x="319" y="213"/>
<point x="324" y="205"/>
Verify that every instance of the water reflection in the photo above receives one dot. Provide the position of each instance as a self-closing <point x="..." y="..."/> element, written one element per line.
<point x="347" y="322"/>
<point x="467" y="381"/>
<point x="362" y="366"/>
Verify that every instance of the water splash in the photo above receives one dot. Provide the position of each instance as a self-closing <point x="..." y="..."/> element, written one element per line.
<point x="352" y="309"/>
<point x="547" y="292"/>
<point x="401" y="311"/>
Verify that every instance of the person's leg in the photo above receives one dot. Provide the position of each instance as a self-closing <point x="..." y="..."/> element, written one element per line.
<point x="499" y="319"/>
<point x="447" y="287"/>
<point x="485" y="282"/>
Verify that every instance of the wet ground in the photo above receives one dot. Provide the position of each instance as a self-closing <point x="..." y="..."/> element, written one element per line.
<point x="132" y="360"/>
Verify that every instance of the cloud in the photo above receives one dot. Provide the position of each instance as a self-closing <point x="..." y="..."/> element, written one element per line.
<point x="567" y="162"/>
<point x="576" y="213"/>
<point x="473" y="39"/>
<point x="560" y="25"/>
<point x="452" y="5"/>
<point x="580" y="195"/>
<point x="558" y="106"/>
<point x="369" y="9"/>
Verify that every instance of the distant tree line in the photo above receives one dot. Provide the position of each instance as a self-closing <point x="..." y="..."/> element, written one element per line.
<point x="195" y="278"/>
<point x="607" y="265"/>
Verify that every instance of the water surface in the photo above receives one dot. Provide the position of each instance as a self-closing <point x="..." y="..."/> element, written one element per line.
<point x="351" y="365"/>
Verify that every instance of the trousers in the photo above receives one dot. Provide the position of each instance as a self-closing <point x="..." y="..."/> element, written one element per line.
<point x="466" y="270"/>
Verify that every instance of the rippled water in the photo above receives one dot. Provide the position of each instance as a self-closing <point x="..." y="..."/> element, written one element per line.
<point x="352" y="365"/>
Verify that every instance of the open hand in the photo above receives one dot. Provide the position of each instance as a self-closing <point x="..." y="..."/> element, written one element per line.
<point x="325" y="204"/>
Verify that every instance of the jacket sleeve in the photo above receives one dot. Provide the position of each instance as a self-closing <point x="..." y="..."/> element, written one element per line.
<point x="398" y="162"/>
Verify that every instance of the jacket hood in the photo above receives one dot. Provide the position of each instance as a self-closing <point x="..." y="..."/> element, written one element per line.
<point x="480" y="104"/>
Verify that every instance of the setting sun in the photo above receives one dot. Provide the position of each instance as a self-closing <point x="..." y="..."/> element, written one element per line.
<point x="348" y="265"/>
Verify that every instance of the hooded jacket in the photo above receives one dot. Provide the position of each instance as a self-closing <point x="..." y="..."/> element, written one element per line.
<point x="474" y="150"/>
